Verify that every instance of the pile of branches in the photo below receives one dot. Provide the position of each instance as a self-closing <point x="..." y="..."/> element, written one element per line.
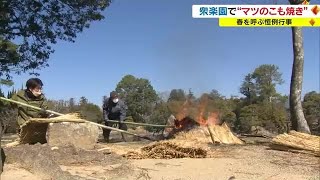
<point x="167" y="150"/>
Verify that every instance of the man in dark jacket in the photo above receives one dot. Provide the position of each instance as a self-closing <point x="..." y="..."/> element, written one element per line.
<point x="114" y="109"/>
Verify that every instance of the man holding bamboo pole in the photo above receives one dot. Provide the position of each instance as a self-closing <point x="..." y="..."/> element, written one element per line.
<point x="32" y="95"/>
<point x="114" y="109"/>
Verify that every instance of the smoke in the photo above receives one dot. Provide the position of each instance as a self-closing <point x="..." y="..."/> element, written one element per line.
<point x="185" y="63"/>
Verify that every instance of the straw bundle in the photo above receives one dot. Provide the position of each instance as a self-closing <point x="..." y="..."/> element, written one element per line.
<point x="72" y="117"/>
<point x="297" y="141"/>
<point x="219" y="133"/>
<point x="187" y="144"/>
<point x="35" y="129"/>
<point x="223" y="134"/>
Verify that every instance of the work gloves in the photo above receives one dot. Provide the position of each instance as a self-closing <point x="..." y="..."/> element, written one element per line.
<point x="43" y="113"/>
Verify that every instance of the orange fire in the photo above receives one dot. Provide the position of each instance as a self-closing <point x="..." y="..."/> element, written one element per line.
<point x="212" y="118"/>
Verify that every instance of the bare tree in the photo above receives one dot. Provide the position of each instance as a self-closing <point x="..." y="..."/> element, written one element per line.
<point x="299" y="122"/>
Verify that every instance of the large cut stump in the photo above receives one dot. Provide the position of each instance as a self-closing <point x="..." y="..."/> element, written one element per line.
<point x="80" y="135"/>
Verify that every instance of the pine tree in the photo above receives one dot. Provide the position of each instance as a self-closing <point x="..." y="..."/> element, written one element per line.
<point x="191" y="95"/>
<point x="1" y="93"/>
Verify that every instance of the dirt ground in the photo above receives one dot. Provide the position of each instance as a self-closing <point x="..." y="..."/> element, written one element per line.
<point x="251" y="161"/>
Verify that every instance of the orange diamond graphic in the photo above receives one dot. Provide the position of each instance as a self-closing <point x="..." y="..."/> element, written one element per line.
<point x="305" y="2"/>
<point x="315" y="10"/>
<point x="312" y="22"/>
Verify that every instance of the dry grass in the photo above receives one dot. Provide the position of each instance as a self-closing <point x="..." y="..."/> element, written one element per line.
<point x="198" y="135"/>
<point x="190" y="144"/>
<point x="72" y="117"/>
<point x="297" y="141"/>
<point x="221" y="134"/>
<point x="168" y="150"/>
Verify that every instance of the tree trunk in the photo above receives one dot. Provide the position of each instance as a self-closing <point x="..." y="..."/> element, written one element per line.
<point x="1" y="167"/>
<point x="298" y="120"/>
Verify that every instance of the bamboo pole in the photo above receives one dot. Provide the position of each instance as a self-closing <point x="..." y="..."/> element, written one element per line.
<point x="141" y="124"/>
<point x="59" y="114"/>
<point x="29" y="106"/>
<point x="54" y="120"/>
<point x="211" y="134"/>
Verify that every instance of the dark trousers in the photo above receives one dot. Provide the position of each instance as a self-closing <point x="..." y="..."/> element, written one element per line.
<point x="2" y="155"/>
<point x="106" y="132"/>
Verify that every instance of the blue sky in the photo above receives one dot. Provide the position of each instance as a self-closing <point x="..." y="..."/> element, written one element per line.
<point x="160" y="41"/>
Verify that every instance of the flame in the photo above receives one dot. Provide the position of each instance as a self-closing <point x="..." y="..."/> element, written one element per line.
<point x="212" y="119"/>
<point x="201" y="109"/>
<point x="177" y="124"/>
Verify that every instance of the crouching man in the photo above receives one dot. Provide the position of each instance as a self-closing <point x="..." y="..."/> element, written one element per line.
<point x="114" y="109"/>
<point x="33" y="96"/>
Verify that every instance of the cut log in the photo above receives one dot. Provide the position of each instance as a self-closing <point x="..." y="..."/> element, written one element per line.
<point x="79" y="135"/>
<point x="298" y="141"/>
<point x="261" y="131"/>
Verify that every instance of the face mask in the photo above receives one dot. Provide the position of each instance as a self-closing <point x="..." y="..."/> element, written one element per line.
<point x="115" y="100"/>
<point x="36" y="93"/>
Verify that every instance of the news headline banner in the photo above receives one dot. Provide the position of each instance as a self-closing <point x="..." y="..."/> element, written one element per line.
<point x="260" y="15"/>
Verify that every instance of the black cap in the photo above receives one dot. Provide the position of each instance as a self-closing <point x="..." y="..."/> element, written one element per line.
<point x="113" y="95"/>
